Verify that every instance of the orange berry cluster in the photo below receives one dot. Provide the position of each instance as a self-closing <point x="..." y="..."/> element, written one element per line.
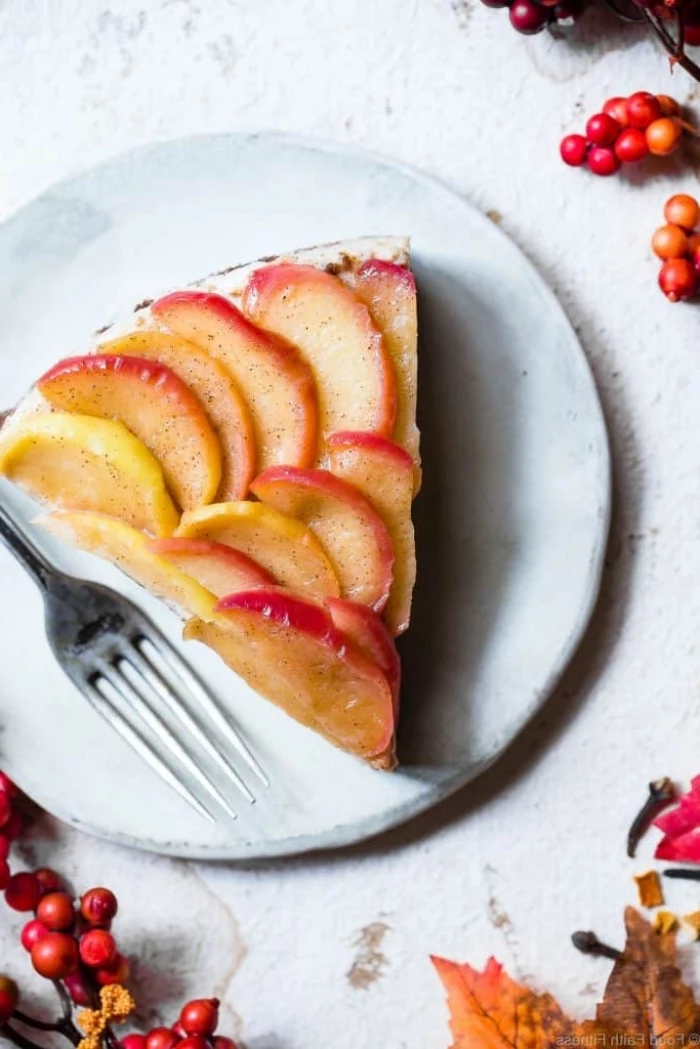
<point x="678" y="245"/>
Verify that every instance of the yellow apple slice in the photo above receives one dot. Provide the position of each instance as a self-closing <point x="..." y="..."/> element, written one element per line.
<point x="219" y="568"/>
<point x="214" y="388"/>
<point x="281" y="545"/>
<point x="276" y="382"/>
<point x="384" y="473"/>
<point x="155" y="405"/>
<point x="289" y="651"/>
<point x="131" y="551"/>
<point x="79" y="462"/>
<point x="333" y="330"/>
<point x="389" y="293"/>
<point x="349" y="528"/>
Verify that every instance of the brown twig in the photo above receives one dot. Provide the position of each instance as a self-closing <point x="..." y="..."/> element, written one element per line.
<point x="588" y="943"/>
<point x="661" y="794"/>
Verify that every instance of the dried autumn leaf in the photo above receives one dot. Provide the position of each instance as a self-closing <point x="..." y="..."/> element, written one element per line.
<point x="645" y="1000"/>
<point x="649" y="889"/>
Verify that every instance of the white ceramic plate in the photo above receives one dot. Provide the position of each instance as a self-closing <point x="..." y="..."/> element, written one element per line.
<point x="512" y="519"/>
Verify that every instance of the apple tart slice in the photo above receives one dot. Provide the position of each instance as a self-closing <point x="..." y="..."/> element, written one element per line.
<point x="246" y="449"/>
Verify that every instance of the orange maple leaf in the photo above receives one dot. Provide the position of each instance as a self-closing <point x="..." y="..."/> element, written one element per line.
<point x="646" y="1003"/>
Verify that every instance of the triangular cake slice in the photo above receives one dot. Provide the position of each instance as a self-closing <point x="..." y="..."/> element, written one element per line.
<point x="246" y="448"/>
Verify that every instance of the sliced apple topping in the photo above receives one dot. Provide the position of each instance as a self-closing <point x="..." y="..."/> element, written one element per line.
<point x="155" y="405"/>
<point x="384" y="473"/>
<point x="219" y="568"/>
<point x="352" y="367"/>
<point x="279" y="544"/>
<point x="216" y="391"/>
<point x="274" y="379"/>
<point x="290" y="652"/>
<point x="389" y="293"/>
<point x="366" y="629"/>
<point x="349" y="528"/>
<point x="132" y="552"/>
<point x="79" y="462"/>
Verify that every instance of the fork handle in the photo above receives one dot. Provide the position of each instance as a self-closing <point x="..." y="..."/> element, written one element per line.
<point x="25" y="552"/>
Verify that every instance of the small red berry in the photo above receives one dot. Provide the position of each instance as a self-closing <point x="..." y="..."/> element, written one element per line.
<point x="602" y="130"/>
<point x="9" y="996"/>
<point x="573" y="150"/>
<point x="161" y="1038"/>
<point x="200" y="1016"/>
<point x="48" y="880"/>
<point x="528" y="17"/>
<point x="4" y="874"/>
<point x="193" y="1041"/>
<point x="691" y="35"/>
<point x="56" y="911"/>
<point x="631" y="146"/>
<point x="98" y="949"/>
<point x="643" y="109"/>
<point x="32" y="932"/>
<point x="617" y="109"/>
<point x="76" y="988"/>
<point x="98" y="906"/>
<point x="678" y="279"/>
<point x="669" y="106"/>
<point x="602" y="161"/>
<point x="117" y="972"/>
<point x="14" y="826"/>
<point x="5" y="808"/>
<point x="23" y="892"/>
<point x="7" y="786"/>
<point x="55" y="956"/>
<point x="4" y="847"/>
<point x="133" y="1041"/>
<point x="224" y="1043"/>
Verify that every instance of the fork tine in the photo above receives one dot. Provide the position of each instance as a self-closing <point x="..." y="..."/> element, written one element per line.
<point x="159" y="728"/>
<point x="106" y="709"/>
<point x="169" y="654"/>
<point x="143" y="666"/>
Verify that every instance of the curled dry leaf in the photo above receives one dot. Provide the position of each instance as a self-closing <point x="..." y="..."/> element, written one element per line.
<point x="645" y="1001"/>
<point x="664" y="921"/>
<point x="649" y="889"/>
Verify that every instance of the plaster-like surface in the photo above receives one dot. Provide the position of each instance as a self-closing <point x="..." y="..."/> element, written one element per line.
<point x="536" y="849"/>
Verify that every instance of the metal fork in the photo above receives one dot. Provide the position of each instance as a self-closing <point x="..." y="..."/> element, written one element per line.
<point x="129" y="672"/>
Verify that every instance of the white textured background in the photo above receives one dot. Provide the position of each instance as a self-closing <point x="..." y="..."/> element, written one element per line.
<point x="535" y="849"/>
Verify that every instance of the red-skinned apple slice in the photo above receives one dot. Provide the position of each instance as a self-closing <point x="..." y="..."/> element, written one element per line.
<point x="276" y="382"/>
<point x="78" y="462"/>
<point x="365" y="628"/>
<point x="280" y="544"/>
<point x="289" y="651"/>
<point x="219" y="568"/>
<point x="383" y="471"/>
<point x="389" y="293"/>
<point x="349" y="528"/>
<point x="155" y="405"/>
<point x="333" y="330"/>
<point x="216" y="391"/>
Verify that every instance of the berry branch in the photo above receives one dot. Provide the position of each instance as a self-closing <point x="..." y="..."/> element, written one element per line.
<point x="70" y="943"/>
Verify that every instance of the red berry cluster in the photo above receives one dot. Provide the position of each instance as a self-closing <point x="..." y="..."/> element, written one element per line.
<point x="678" y="245"/>
<point x="626" y="131"/>
<point x="71" y="944"/>
<point x="532" y="16"/>
<point x="195" y="1029"/>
